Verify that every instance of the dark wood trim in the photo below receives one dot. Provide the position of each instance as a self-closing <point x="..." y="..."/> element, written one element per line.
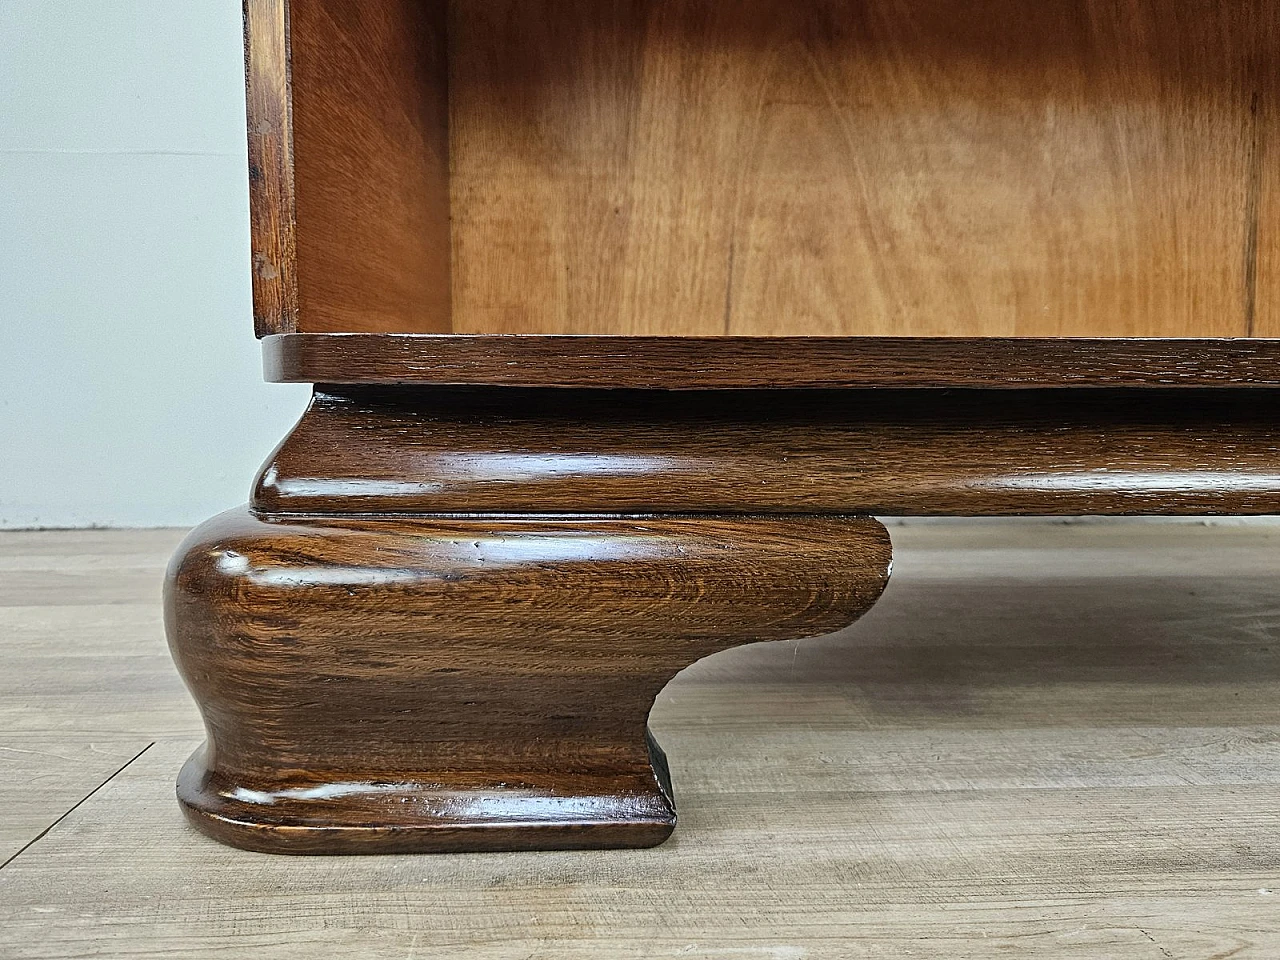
<point x="693" y="363"/>
<point x="394" y="685"/>
<point x="447" y="450"/>
<point x="445" y="624"/>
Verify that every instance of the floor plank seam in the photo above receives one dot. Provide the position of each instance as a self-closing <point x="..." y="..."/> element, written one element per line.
<point x="88" y="796"/>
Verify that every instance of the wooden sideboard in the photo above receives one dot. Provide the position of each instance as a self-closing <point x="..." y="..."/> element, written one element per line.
<point x="628" y="316"/>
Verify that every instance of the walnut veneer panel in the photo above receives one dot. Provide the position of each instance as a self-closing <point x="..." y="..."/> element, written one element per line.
<point x="906" y="167"/>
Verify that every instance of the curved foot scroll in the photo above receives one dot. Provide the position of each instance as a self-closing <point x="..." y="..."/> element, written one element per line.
<point x="431" y="684"/>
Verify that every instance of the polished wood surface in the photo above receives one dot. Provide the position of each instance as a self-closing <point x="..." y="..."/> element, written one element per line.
<point x="1049" y="739"/>
<point x="932" y="167"/>
<point x="364" y="202"/>
<point x="764" y="168"/>
<point x="393" y="684"/>
<point x="874" y="452"/>
<point x="691" y="363"/>
<point x="442" y="621"/>
<point x="272" y="206"/>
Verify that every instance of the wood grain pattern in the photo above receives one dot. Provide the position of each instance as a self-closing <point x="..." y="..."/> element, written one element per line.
<point x="1262" y="251"/>
<point x="765" y="168"/>
<point x="976" y="168"/>
<point x="384" y="685"/>
<point x="887" y="453"/>
<point x="82" y="640"/>
<point x="1047" y="739"/>
<point x="694" y="363"/>
<point x="370" y="117"/>
<point x="272" y="207"/>
<point x="85" y="681"/>
<point x="40" y="778"/>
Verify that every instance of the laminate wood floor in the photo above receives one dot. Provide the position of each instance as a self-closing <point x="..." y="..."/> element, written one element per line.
<point x="1047" y="740"/>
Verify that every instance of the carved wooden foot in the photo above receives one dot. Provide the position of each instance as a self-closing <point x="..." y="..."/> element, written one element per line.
<point x="435" y="684"/>
<point x="378" y="673"/>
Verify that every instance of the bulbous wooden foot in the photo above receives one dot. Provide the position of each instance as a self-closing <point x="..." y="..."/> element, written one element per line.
<point x="425" y="684"/>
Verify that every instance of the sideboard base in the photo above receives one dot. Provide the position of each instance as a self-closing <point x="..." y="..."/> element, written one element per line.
<point x="476" y="820"/>
<point x="443" y="619"/>
<point x="427" y="684"/>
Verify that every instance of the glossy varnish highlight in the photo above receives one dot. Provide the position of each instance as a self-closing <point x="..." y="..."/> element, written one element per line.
<point x="379" y="684"/>
<point x="873" y="452"/>
<point x="442" y="621"/>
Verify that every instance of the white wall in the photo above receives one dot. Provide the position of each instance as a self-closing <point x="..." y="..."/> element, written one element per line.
<point x="131" y="391"/>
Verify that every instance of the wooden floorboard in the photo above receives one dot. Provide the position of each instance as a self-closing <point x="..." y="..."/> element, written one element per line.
<point x="42" y="777"/>
<point x="1048" y="740"/>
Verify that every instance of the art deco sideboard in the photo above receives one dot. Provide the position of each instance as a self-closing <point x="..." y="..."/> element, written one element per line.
<point x="626" y="317"/>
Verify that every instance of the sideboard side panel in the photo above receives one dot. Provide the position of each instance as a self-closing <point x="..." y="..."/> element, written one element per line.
<point x="271" y="197"/>
<point x="349" y="165"/>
